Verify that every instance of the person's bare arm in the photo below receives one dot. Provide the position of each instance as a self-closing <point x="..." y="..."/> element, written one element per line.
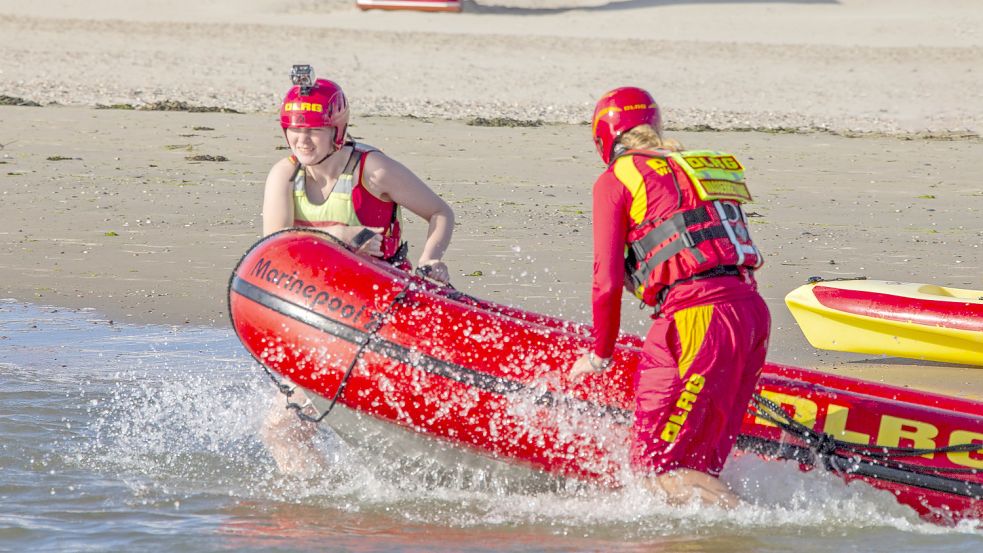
<point x="278" y="202"/>
<point x="388" y="179"/>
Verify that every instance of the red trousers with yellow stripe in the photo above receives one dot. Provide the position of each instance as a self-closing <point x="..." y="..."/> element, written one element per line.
<point x="702" y="364"/>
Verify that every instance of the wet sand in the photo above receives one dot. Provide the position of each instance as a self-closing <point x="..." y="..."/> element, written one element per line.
<point x="105" y="209"/>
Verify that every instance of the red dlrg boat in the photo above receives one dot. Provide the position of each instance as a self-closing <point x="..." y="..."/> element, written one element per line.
<point x="365" y="336"/>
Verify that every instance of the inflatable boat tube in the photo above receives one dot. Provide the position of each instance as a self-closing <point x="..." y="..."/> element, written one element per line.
<point x="364" y="336"/>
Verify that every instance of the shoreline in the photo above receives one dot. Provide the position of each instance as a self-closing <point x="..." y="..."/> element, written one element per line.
<point x="167" y="105"/>
<point x="915" y="74"/>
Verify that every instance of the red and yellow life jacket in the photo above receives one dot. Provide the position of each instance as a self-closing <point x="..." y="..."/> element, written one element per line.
<point x="349" y="203"/>
<point x="700" y="230"/>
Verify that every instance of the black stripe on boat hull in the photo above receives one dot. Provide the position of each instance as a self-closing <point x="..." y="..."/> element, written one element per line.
<point x="861" y="467"/>
<point x="403" y="354"/>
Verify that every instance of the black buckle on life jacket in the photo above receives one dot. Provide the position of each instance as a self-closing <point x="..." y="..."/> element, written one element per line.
<point x="400" y="254"/>
<point x="687" y="239"/>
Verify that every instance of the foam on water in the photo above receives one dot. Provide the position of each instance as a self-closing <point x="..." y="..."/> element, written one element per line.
<point x="117" y="436"/>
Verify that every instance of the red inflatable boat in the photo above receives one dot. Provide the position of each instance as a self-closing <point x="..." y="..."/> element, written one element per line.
<point x="384" y="343"/>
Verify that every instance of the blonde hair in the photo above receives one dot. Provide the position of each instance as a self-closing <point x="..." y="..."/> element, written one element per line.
<point x="647" y="137"/>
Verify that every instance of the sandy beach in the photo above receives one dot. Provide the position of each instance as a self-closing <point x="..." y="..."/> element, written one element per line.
<point x="860" y="131"/>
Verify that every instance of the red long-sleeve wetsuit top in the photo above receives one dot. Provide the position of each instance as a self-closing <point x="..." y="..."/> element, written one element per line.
<point x="612" y="204"/>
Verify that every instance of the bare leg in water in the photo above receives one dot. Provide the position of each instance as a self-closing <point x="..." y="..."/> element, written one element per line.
<point x="290" y="440"/>
<point x="683" y="485"/>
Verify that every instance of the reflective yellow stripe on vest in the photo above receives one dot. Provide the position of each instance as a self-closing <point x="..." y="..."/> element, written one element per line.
<point x="629" y="175"/>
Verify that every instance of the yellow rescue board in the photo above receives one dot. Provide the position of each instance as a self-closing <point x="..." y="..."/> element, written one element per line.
<point x="896" y="319"/>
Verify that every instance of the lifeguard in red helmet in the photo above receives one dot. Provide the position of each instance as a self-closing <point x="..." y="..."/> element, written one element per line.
<point x="348" y="189"/>
<point x="353" y="192"/>
<point x="669" y="225"/>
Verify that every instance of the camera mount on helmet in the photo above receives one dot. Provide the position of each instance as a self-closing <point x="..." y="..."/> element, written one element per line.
<point x="303" y="76"/>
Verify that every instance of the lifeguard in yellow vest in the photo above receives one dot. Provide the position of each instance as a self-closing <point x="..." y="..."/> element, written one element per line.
<point x="354" y="193"/>
<point x="669" y="225"/>
<point x="351" y="191"/>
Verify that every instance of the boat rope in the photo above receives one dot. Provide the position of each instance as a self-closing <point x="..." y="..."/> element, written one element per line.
<point x="379" y="319"/>
<point x="827" y="447"/>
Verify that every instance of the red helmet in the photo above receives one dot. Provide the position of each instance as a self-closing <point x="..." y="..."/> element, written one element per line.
<point x="321" y="105"/>
<point x="618" y="112"/>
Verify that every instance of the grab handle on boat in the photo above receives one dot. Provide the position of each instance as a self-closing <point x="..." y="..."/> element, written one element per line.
<point x="424" y="272"/>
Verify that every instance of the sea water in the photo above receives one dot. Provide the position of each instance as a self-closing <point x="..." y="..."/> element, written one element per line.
<point x="117" y="437"/>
